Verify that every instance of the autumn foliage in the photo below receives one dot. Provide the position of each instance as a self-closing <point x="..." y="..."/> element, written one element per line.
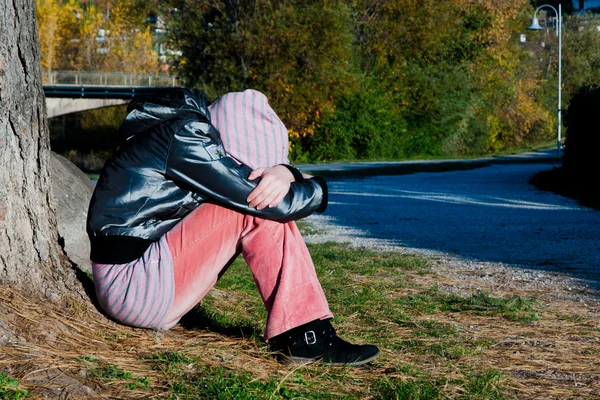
<point x="367" y="79"/>
<point x="80" y="36"/>
<point x="352" y="79"/>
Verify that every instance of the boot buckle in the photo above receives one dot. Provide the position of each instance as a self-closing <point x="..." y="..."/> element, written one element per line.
<point x="310" y="337"/>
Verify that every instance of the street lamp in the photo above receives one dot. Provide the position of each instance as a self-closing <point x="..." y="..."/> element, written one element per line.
<point x="535" y="25"/>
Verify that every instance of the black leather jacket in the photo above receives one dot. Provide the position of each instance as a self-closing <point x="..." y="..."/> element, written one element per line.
<point x="172" y="162"/>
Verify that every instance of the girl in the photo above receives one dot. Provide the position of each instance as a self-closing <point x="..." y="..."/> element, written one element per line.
<point x="174" y="206"/>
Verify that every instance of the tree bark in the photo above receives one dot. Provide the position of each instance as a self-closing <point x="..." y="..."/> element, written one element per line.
<point x="30" y="254"/>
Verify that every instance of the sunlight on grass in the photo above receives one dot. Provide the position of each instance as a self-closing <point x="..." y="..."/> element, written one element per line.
<point x="431" y="301"/>
<point x="111" y="372"/>
<point x="439" y="338"/>
<point x="375" y="299"/>
<point x="9" y="388"/>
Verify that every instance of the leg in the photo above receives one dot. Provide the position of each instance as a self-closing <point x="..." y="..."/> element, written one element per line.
<point x="284" y="274"/>
<point x="203" y="243"/>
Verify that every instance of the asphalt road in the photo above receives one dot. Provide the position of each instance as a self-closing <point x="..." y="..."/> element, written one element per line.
<point x="487" y="214"/>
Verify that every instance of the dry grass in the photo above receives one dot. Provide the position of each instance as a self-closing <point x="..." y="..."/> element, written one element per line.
<point x="55" y="348"/>
<point x="50" y="340"/>
<point x="555" y="357"/>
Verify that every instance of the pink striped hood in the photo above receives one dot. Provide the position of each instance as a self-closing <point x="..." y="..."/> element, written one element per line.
<point x="250" y="130"/>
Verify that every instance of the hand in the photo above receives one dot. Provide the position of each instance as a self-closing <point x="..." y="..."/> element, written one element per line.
<point x="272" y="188"/>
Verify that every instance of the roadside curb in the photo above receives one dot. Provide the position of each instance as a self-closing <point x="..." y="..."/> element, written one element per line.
<point x="362" y="169"/>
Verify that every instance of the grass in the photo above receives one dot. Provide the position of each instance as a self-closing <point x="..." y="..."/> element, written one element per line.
<point x="487" y="384"/>
<point x="418" y="157"/>
<point x="511" y="307"/>
<point x="525" y="149"/>
<point x="398" y="167"/>
<point x="9" y="388"/>
<point x="111" y="372"/>
<point x="440" y="339"/>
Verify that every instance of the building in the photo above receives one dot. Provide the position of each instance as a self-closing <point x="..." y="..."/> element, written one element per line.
<point x="587" y="4"/>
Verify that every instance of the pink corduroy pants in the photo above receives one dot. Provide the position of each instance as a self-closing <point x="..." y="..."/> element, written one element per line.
<point x="209" y="237"/>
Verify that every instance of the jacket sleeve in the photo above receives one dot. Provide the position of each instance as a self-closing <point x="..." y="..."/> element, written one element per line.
<point x="196" y="159"/>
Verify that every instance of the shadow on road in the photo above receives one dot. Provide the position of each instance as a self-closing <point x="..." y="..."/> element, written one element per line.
<point x="488" y="214"/>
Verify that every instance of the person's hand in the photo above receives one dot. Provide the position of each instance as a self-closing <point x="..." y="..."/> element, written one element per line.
<point x="272" y="188"/>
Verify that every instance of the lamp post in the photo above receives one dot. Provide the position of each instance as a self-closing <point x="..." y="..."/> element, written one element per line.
<point x="535" y="25"/>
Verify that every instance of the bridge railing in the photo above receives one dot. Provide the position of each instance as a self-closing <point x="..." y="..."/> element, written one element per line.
<point x="82" y="78"/>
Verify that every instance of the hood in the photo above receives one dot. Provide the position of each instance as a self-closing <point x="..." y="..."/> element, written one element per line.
<point x="145" y="112"/>
<point x="250" y="130"/>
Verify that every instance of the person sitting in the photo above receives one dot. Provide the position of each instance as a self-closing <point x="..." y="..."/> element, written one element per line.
<point x="185" y="195"/>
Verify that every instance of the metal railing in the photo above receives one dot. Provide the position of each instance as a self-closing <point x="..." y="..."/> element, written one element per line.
<point x="83" y="78"/>
<point x="108" y="92"/>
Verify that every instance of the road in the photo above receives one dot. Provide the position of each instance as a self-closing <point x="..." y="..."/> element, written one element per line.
<point x="487" y="214"/>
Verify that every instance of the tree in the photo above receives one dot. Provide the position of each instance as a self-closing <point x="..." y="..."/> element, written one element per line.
<point x="30" y="254"/>
<point x="130" y="43"/>
<point x="299" y="53"/>
<point x="71" y="39"/>
<point x="438" y="77"/>
<point x="567" y="5"/>
<point x="48" y="19"/>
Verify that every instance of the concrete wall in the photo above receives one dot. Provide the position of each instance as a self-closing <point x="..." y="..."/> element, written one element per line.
<point x="57" y="106"/>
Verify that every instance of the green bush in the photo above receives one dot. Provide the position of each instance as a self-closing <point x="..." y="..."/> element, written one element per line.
<point x="363" y="125"/>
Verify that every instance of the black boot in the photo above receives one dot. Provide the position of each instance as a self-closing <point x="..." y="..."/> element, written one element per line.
<point x="317" y="341"/>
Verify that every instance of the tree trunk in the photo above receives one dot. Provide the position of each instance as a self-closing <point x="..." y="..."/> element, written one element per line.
<point x="30" y="254"/>
<point x="581" y="4"/>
